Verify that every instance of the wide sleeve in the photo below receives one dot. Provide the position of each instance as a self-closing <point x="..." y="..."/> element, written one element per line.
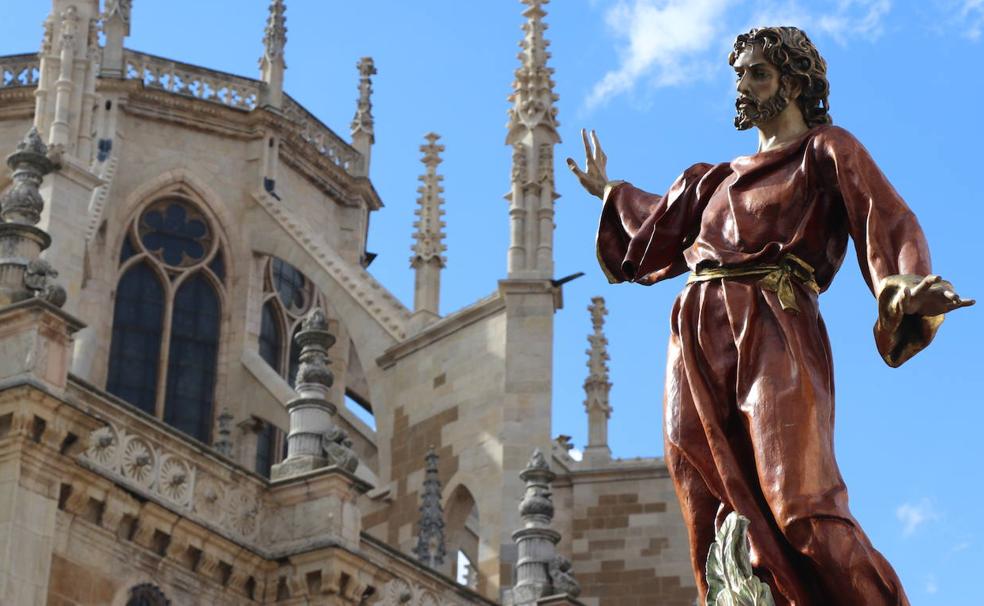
<point x="892" y="250"/>
<point x="642" y="236"/>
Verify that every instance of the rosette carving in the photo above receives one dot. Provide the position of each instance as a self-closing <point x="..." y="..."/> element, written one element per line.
<point x="245" y="514"/>
<point x="175" y="479"/>
<point x="139" y="462"/>
<point x="104" y="446"/>
<point x="208" y="501"/>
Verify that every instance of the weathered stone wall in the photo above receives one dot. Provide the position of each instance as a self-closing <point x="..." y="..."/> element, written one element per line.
<point x="628" y="544"/>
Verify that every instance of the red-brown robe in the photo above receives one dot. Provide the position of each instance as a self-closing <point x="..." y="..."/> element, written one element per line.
<point x="749" y="400"/>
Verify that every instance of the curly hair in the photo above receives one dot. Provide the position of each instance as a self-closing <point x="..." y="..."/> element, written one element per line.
<point x="792" y="52"/>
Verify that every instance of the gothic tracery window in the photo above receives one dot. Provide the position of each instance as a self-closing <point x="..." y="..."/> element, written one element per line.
<point x="287" y="295"/>
<point x="167" y="316"/>
<point x="146" y="594"/>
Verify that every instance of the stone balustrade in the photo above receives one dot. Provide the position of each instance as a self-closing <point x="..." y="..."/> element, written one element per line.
<point x="191" y="80"/>
<point x="19" y="70"/>
<point x="239" y="93"/>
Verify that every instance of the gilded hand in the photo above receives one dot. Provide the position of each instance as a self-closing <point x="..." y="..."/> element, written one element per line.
<point x="593" y="178"/>
<point x="931" y="297"/>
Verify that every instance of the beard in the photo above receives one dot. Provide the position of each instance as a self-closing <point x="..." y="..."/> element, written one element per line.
<point x="752" y="112"/>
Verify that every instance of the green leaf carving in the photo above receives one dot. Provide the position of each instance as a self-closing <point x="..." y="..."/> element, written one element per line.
<point x="729" y="570"/>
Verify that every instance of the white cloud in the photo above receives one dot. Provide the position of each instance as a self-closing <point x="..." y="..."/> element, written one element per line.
<point x="661" y="39"/>
<point x="669" y="42"/>
<point x="931" y="586"/>
<point x="914" y="515"/>
<point x="972" y="15"/>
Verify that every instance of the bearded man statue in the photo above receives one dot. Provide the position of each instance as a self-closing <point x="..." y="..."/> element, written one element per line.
<point x="749" y="396"/>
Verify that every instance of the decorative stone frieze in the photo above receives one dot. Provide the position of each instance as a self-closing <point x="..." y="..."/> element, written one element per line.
<point x="402" y="593"/>
<point x="137" y="462"/>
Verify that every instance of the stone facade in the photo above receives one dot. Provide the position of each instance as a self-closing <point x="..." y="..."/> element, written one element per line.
<point x="102" y="497"/>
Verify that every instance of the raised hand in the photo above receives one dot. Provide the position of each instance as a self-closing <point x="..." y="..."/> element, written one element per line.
<point x="931" y="297"/>
<point x="593" y="178"/>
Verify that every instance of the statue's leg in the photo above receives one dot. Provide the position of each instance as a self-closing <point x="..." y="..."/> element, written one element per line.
<point x="786" y="395"/>
<point x="849" y="569"/>
<point x="699" y="508"/>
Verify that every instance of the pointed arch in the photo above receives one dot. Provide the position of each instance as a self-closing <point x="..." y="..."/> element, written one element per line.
<point x="462" y="530"/>
<point x="138" y="324"/>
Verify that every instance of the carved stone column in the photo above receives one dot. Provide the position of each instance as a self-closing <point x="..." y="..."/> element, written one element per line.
<point x="116" y="25"/>
<point x="428" y="259"/>
<point x="23" y="275"/>
<point x="272" y="64"/>
<point x="540" y="572"/>
<point x="314" y="440"/>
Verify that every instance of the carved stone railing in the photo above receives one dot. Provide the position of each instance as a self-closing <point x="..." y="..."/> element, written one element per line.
<point x="239" y="93"/>
<point x="191" y="80"/>
<point x="315" y="133"/>
<point x="19" y="70"/>
<point x="163" y="465"/>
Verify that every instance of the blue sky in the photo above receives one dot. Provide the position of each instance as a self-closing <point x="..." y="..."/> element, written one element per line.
<point x="651" y="77"/>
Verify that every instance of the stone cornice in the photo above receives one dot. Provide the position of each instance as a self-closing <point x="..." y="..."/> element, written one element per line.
<point x="446" y="326"/>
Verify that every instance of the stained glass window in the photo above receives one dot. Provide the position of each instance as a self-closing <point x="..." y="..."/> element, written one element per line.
<point x="192" y="358"/>
<point x="173" y="236"/>
<point x="266" y="448"/>
<point x="147" y="595"/>
<point x="291" y="286"/>
<point x="135" y="350"/>
<point x="175" y="233"/>
<point x="271" y="336"/>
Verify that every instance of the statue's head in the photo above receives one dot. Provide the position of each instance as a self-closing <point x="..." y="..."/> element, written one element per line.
<point x="776" y="65"/>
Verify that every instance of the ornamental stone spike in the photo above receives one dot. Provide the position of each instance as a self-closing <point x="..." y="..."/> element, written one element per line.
<point x="532" y="135"/>
<point x="427" y="259"/>
<point x="272" y="64"/>
<point x="23" y="274"/>
<point x="597" y="386"/>
<point x="363" y="125"/>
<point x="116" y="25"/>
<point x="314" y="440"/>
<point x="430" y="548"/>
<point x="540" y="572"/>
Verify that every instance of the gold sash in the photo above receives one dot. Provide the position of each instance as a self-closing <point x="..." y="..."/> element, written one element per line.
<point x="777" y="277"/>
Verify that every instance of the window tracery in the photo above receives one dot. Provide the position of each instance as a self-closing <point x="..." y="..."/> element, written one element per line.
<point x="167" y="316"/>
<point x="287" y="296"/>
<point x="146" y="594"/>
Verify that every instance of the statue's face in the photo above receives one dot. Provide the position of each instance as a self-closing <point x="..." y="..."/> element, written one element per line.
<point x="760" y="97"/>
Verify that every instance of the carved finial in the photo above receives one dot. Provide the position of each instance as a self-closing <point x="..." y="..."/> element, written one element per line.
<point x="23" y="202"/>
<point x="430" y="548"/>
<point x="597" y="386"/>
<point x="540" y="572"/>
<point x="363" y="122"/>
<point x="429" y="234"/>
<point x="69" y="26"/>
<point x="729" y="569"/>
<point x="533" y="96"/>
<point x="275" y="33"/>
<point x="223" y="442"/>
<point x="118" y="9"/>
<point x="314" y="340"/>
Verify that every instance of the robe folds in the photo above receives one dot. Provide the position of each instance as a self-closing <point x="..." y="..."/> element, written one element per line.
<point x="749" y="396"/>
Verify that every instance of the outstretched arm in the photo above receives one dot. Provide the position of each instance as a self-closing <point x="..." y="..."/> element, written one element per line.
<point x="594" y="177"/>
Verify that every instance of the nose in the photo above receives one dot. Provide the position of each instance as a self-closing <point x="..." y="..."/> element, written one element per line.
<point x="742" y="84"/>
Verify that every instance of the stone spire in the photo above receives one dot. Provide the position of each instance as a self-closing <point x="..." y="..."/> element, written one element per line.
<point x="272" y="63"/>
<point x="428" y="248"/>
<point x="23" y="274"/>
<point x="597" y="387"/>
<point x="430" y="548"/>
<point x="363" y="132"/>
<point x="532" y="135"/>
<point x="314" y="440"/>
<point x="116" y="25"/>
<point x="540" y="572"/>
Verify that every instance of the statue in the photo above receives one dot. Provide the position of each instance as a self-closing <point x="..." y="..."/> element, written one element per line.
<point x="749" y="398"/>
